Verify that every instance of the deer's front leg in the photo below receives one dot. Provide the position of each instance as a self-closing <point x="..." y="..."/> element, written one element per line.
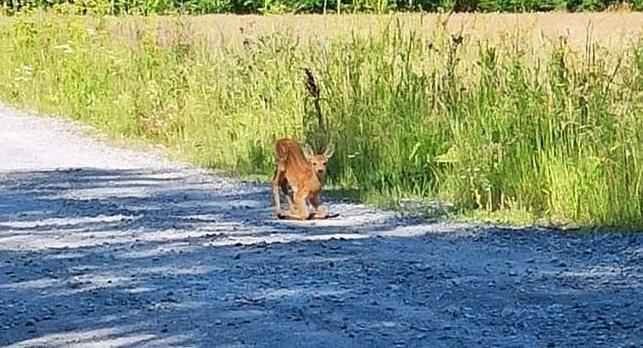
<point x="320" y="212"/>
<point x="300" y="210"/>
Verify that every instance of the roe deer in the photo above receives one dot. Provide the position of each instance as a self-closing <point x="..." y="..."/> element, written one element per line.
<point x="305" y="173"/>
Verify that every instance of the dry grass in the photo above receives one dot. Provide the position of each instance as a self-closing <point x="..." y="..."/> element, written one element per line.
<point x="531" y="35"/>
<point x="613" y="31"/>
<point x="535" y="34"/>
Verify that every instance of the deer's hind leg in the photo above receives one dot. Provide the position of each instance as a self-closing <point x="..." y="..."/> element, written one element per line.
<point x="277" y="179"/>
<point x="283" y="184"/>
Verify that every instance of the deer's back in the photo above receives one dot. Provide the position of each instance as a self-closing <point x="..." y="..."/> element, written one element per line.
<point x="297" y="170"/>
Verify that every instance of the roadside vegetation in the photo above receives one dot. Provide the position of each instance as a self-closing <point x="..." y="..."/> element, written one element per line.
<point x="506" y="124"/>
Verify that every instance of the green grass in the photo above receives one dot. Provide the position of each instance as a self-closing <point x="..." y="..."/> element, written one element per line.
<point x="498" y="132"/>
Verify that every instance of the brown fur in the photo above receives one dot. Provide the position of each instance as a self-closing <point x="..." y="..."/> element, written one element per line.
<point x="305" y="173"/>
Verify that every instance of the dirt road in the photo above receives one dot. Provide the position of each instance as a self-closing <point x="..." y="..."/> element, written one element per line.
<point x="106" y="247"/>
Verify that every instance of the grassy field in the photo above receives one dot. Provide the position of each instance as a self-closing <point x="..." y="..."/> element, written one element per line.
<point x="520" y="118"/>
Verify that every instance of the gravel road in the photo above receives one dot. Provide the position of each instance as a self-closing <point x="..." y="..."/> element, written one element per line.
<point x="108" y="247"/>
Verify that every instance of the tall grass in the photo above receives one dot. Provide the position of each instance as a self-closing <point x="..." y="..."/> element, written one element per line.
<point x="500" y="130"/>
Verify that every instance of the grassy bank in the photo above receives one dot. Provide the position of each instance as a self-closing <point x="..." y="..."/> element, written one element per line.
<point x="498" y="127"/>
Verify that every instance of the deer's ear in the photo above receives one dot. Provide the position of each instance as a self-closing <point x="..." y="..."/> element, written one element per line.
<point x="329" y="150"/>
<point x="308" y="151"/>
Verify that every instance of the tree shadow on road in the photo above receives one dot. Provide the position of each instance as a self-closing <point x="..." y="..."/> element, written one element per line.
<point x="131" y="258"/>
